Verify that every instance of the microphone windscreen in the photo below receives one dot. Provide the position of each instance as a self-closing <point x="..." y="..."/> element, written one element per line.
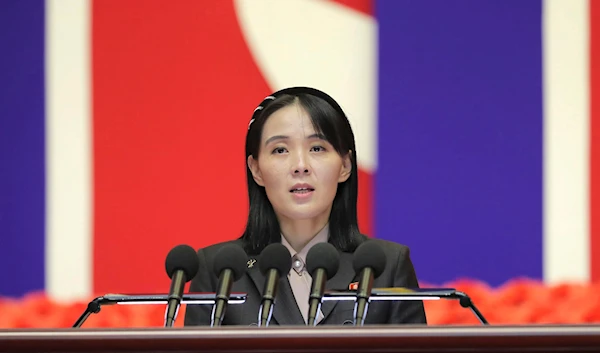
<point x="182" y="257"/>
<point x="369" y="254"/>
<point x="231" y="257"/>
<point x="275" y="256"/>
<point x="323" y="255"/>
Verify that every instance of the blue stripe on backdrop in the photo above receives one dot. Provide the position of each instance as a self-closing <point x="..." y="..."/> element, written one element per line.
<point x="22" y="171"/>
<point x="459" y="178"/>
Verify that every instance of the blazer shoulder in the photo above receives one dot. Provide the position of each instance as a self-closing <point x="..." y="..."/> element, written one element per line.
<point x="211" y="250"/>
<point x="392" y="247"/>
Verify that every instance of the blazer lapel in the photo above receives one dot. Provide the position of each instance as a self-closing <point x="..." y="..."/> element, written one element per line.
<point x="340" y="281"/>
<point x="286" y="311"/>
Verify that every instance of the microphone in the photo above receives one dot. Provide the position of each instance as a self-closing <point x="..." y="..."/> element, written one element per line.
<point x="322" y="262"/>
<point x="182" y="265"/>
<point x="275" y="261"/>
<point x="230" y="266"/>
<point x="369" y="260"/>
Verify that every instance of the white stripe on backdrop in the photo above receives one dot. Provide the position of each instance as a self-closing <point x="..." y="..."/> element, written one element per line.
<point x="69" y="163"/>
<point x="566" y="140"/>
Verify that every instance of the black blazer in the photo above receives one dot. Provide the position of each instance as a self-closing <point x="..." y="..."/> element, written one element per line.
<point x="399" y="272"/>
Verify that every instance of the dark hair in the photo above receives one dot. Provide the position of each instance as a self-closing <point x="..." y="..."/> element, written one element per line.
<point x="329" y="120"/>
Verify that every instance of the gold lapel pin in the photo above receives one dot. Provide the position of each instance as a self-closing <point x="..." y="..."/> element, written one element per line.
<point x="251" y="263"/>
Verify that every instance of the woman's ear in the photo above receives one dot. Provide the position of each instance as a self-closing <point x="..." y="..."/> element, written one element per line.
<point x="256" y="174"/>
<point x="346" y="170"/>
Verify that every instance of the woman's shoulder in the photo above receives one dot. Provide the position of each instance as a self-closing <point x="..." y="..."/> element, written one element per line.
<point x="392" y="247"/>
<point x="211" y="250"/>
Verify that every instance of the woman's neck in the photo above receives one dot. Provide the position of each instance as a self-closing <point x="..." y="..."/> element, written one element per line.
<point x="298" y="233"/>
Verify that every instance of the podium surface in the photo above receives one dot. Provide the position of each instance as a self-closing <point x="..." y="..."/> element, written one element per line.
<point x="580" y="338"/>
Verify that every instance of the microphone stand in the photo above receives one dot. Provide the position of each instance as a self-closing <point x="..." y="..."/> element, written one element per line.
<point x="95" y="305"/>
<point x="406" y="294"/>
<point x="466" y="302"/>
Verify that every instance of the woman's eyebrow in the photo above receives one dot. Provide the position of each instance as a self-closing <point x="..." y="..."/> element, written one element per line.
<point x="283" y="137"/>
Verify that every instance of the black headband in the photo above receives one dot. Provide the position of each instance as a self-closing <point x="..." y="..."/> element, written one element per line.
<point x="295" y="91"/>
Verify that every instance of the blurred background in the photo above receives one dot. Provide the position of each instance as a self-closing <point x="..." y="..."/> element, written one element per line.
<point x="122" y="127"/>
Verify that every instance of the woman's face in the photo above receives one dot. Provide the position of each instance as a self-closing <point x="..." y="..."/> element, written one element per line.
<point x="298" y="168"/>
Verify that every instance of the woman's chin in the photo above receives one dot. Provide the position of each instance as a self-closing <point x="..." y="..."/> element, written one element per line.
<point x="305" y="213"/>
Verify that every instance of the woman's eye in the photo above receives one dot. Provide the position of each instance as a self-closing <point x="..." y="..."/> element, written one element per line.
<point x="279" y="150"/>
<point x="318" y="148"/>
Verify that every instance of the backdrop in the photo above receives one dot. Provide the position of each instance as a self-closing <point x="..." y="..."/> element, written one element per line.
<point x="123" y="125"/>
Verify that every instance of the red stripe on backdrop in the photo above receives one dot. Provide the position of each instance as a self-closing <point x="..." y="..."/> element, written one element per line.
<point x="595" y="139"/>
<point x="366" y="192"/>
<point x="174" y="85"/>
<point x="364" y="6"/>
<point x="174" y="88"/>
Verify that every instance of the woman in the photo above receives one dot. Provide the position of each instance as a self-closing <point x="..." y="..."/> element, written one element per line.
<point x="303" y="189"/>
